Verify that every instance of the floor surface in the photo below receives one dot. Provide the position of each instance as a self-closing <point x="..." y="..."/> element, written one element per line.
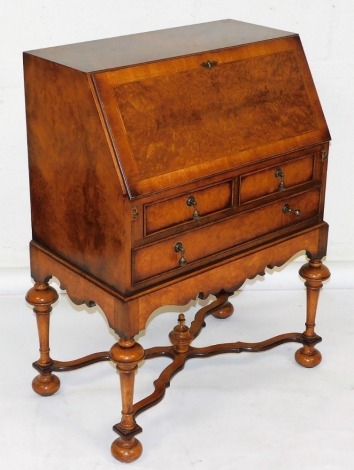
<point x="256" y="411"/>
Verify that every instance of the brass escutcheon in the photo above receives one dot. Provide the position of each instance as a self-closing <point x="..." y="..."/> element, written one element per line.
<point x="209" y="64"/>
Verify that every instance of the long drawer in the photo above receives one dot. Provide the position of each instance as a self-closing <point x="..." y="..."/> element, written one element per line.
<point x="163" y="257"/>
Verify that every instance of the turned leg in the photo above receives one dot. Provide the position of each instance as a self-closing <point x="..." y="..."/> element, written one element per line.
<point x="314" y="272"/>
<point x="127" y="354"/>
<point x="41" y="297"/>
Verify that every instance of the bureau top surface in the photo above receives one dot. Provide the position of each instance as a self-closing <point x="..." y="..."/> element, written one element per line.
<point x="133" y="49"/>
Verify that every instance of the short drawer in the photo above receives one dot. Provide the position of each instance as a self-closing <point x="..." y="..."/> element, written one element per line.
<point x="160" y="258"/>
<point x="188" y="206"/>
<point x="276" y="178"/>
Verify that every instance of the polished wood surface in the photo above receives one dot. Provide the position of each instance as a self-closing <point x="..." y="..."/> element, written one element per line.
<point x="256" y="97"/>
<point x="276" y="178"/>
<point x="201" y="243"/>
<point x="42" y="296"/>
<point x="177" y="129"/>
<point x="127" y="354"/>
<point x="314" y="274"/>
<point x="169" y="166"/>
<point x="174" y="211"/>
<point x="130" y="50"/>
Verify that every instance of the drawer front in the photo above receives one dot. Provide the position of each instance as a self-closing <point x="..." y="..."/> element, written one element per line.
<point x="187" y="207"/>
<point x="277" y="178"/>
<point x="161" y="258"/>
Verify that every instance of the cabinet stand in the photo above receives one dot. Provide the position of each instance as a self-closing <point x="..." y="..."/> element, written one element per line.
<point x="127" y="353"/>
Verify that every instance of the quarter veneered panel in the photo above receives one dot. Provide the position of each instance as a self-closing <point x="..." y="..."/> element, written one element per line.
<point x="176" y="121"/>
<point x="188" y="118"/>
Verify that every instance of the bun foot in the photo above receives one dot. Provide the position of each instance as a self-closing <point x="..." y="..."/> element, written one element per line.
<point x="46" y="385"/>
<point x="126" y="450"/>
<point x="225" y="310"/>
<point x="308" y="357"/>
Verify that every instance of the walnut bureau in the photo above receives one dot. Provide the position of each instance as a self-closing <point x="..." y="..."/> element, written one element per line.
<point x="166" y="166"/>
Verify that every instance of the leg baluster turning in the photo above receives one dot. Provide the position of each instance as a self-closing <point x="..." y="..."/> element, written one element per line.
<point x="42" y="296"/>
<point x="314" y="273"/>
<point x="127" y="354"/>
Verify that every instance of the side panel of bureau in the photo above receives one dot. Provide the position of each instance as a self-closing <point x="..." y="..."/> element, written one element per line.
<point x="77" y="202"/>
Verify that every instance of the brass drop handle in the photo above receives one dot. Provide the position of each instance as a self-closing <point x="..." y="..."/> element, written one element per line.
<point x="179" y="248"/>
<point x="288" y="210"/>
<point x="279" y="173"/>
<point x="191" y="202"/>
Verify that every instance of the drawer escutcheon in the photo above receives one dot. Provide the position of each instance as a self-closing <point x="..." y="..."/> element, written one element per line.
<point x="209" y="64"/>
